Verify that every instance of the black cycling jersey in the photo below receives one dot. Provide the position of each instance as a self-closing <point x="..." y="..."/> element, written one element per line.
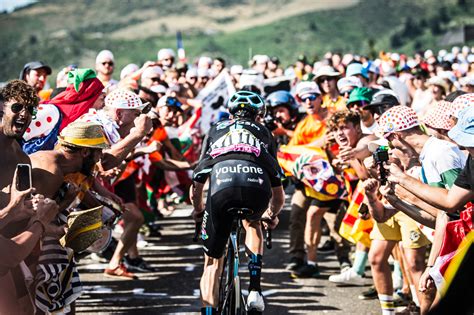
<point x="239" y="139"/>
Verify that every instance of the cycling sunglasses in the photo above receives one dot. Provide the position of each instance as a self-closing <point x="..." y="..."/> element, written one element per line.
<point x="18" y="107"/>
<point x="311" y="97"/>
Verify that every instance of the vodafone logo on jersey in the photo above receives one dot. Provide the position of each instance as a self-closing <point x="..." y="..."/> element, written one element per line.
<point x="239" y="169"/>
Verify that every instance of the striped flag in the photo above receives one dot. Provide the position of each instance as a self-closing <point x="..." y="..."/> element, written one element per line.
<point x="353" y="228"/>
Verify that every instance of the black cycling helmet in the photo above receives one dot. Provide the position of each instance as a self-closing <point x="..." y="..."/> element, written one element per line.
<point x="282" y="98"/>
<point x="246" y="104"/>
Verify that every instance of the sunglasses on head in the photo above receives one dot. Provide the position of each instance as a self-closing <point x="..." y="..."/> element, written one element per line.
<point x="17" y="107"/>
<point x="311" y="97"/>
<point x="110" y="63"/>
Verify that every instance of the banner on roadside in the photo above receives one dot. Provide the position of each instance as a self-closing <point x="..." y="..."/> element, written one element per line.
<point x="214" y="98"/>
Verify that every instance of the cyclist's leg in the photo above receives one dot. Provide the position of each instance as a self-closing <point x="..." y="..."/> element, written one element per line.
<point x="210" y="281"/>
<point x="254" y="246"/>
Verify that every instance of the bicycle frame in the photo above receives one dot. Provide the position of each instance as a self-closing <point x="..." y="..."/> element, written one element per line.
<point x="231" y="293"/>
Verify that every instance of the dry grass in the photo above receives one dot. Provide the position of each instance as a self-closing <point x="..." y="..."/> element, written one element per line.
<point x="239" y="17"/>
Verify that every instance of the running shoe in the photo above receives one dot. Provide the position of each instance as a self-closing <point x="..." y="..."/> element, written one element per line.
<point x="306" y="271"/>
<point x="370" y="294"/>
<point x="120" y="272"/>
<point x="347" y="277"/>
<point x="295" y="263"/>
<point x="255" y="301"/>
<point x="137" y="265"/>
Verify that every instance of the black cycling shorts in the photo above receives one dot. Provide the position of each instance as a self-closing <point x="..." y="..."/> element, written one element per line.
<point x="233" y="183"/>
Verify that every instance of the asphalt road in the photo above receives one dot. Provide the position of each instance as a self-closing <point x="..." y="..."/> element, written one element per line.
<point x="174" y="288"/>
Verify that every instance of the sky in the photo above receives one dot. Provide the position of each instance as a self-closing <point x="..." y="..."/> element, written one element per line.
<point x="9" y="5"/>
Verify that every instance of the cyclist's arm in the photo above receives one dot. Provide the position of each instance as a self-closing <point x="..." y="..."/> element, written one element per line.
<point x="277" y="201"/>
<point x="196" y="196"/>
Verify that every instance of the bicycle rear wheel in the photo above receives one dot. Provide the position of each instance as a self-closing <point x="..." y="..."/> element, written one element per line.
<point x="227" y="283"/>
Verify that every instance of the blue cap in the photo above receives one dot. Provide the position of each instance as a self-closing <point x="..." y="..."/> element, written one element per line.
<point x="463" y="132"/>
<point x="355" y="69"/>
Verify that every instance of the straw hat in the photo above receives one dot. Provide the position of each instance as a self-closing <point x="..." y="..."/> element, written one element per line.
<point x="85" y="227"/>
<point x="83" y="134"/>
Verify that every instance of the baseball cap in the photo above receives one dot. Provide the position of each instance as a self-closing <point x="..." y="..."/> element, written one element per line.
<point x="307" y="87"/>
<point x="170" y="101"/>
<point x="347" y="83"/>
<point x="397" y="118"/>
<point x="236" y="69"/>
<point x="463" y="131"/>
<point x="360" y="94"/>
<point x="151" y="72"/>
<point x="438" y="116"/>
<point x="104" y="55"/>
<point x="128" y="69"/>
<point x="164" y="53"/>
<point x="158" y="89"/>
<point x="439" y="82"/>
<point x="326" y="71"/>
<point x="124" y="99"/>
<point x="384" y="97"/>
<point x="355" y="69"/>
<point x="34" y="65"/>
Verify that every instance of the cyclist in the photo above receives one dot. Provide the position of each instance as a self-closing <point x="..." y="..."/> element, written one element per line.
<point x="239" y="158"/>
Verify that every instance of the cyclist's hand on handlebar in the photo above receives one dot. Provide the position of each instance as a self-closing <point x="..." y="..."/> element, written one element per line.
<point x="268" y="222"/>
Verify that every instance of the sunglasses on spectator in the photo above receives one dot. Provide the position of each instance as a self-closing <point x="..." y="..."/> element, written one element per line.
<point x="192" y="78"/>
<point x="311" y="97"/>
<point x="359" y="104"/>
<point x="110" y="63"/>
<point x="17" y="107"/>
<point x="171" y="101"/>
<point x="167" y="59"/>
<point x="156" y="79"/>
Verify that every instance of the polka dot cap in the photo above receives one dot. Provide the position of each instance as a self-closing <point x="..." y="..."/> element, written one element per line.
<point x="397" y="118"/>
<point x="461" y="102"/>
<point x="438" y="116"/>
<point x="124" y="99"/>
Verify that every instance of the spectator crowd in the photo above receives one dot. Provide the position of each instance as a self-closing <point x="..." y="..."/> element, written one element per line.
<point x="378" y="156"/>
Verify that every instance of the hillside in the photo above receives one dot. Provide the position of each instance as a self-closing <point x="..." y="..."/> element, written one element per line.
<point x="73" y="32"/>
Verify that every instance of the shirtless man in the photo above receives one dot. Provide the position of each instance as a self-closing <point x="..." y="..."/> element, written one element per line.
<point x="18" y="103"/>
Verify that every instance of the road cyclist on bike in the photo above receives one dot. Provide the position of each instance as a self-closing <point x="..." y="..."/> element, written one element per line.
<point x="239" y="160"/>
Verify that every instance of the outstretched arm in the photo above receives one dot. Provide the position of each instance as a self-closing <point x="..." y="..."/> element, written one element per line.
<point x="448" y="200"/>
